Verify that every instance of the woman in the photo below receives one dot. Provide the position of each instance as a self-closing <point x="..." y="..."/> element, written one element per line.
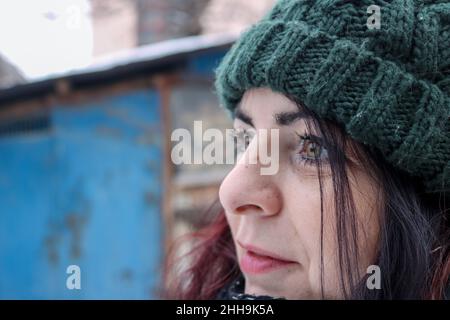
<point x="359" y="206"/>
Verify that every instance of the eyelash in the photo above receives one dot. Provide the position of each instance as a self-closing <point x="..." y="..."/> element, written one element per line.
<point x="241" y="134"/>
<point x="306" y="160"/>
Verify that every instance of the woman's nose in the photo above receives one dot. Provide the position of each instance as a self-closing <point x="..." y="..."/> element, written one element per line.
<point x="245" y="190"/>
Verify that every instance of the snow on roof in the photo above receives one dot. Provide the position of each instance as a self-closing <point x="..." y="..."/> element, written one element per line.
<point x="150" y="52"/>
<point x="162" y="49"/>
<point x="124" y="61"/>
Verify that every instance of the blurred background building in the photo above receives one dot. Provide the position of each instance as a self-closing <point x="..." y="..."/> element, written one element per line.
<point x="9" y="74"/>
<point x="123" y="24"/>
<point x="86" y="176"/>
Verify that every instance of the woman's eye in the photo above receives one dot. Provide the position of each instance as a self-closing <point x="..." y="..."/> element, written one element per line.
<point x="311" y="151"/>
<point x="242" y="139"/>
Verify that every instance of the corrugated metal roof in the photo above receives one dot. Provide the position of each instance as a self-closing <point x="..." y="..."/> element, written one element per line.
<point x="141" y="60"/>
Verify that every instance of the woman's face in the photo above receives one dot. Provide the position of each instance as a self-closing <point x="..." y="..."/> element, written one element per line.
<point x="275" y="219"/>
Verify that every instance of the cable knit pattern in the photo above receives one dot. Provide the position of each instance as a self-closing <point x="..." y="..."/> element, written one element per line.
<point x="388" y="87"/>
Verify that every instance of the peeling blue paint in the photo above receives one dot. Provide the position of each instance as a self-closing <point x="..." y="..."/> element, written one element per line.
<point x="86" y="192"/>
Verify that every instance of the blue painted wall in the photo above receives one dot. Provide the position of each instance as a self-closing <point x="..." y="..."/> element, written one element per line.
<point x="87" y="191"/>
<point x="203" y="64"/>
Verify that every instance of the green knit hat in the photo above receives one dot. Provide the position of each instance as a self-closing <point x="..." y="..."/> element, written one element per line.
<point x="388" y="87"/>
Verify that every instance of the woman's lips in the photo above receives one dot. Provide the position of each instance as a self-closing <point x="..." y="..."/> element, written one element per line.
<point x="257" y="262"/>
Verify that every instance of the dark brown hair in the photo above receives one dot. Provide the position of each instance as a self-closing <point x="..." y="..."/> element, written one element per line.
<point x="413" y="251"/>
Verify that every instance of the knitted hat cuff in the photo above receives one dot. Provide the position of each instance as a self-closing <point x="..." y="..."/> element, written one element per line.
<point x="377" y="101"/>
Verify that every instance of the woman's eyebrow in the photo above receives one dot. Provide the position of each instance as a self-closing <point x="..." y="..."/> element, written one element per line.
<point x="281" y="119"/>
<point x="287" y="118"/>
<point x="238" y="113"/>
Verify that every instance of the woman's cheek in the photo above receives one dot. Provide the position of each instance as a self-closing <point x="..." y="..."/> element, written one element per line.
<point x="233" y="222"/>
<point x="304" y="207"/>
